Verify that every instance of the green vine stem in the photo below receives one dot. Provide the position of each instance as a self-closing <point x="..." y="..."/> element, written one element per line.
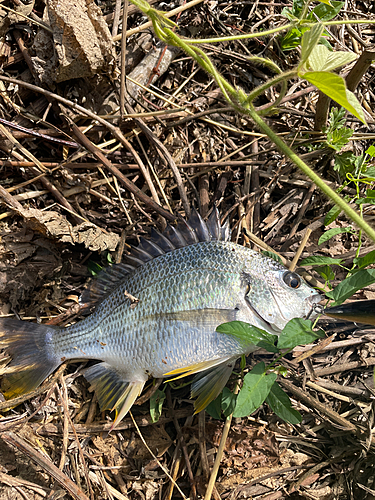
<point x="282" y="78"/>
<point x="316" y="179"/>
<point x="243" y="103"/>
<point x="285" y="27"/>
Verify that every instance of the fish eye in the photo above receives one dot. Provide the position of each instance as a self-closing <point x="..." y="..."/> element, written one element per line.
<point x="292" y="279"/>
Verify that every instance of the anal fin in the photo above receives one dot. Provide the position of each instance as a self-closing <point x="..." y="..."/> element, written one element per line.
<point x="114" y="389"/>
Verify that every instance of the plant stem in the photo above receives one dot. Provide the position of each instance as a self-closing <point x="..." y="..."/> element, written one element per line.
<point x="244" y="37"/>
<point x="352" y="214"/>
<point x="283" y="77"/>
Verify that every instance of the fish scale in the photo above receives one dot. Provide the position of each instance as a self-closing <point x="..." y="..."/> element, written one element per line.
<point x="185" y="283"/>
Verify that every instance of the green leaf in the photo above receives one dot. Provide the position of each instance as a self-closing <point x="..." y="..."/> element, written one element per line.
<point x="156" y="405"/>
<point x="286" y="12"/>
<point x="214" y="408"/>
<point x="298" y="331"/>
<point x="297" y="7"/>
<point x="272" y="255"/>
<point x="255" y="389"/>
<point x="319" y="260"/>
<point x="322" y="59"/>
<point x="249" y="334"/>
<point x="324" y="41"/>
<point x="291" y="40"/>
<point x="327" y="2"/>
<point x="332" y="215"/>
<point x="345" y="163"/>
<point x="228" y="401"/>
<point x="93" y="267"/>
<point x="309" y="40"/>
<point x="371" y="152"/>
<point x="338" y="138"/>
<point x="366" y="260"/>
<point x="326" y="273"/>
<point x="369" y="173"/>
<point x="337" y="59"/>
<point x="280" y="403"/>
<point x="332" y="232"/>
<point x="334" y="87"/>
<point x="370" y="197"/>
<point x="326" y="12"/>
<point x="336" y="119"/>
<point x="351" y="285"/>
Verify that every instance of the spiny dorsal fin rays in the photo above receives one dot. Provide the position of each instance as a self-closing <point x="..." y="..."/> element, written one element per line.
<point x="214" y="226"/>
<point x="186" y="233"/>
<point x="140" y="254"/>
<point x="107" y="280"/>
<point x="151" y="247"/>
<point x="162" y="241"/>
<point x="200" y="227"/>
<point x="175" y="236"/>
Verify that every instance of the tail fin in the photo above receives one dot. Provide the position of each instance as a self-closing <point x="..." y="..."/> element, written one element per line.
<point x="29" y="357"/>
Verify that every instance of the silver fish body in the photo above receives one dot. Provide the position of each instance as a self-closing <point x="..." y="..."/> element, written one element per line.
<point x="160" y="318"/>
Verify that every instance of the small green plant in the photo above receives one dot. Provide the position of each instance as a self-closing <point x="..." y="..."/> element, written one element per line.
<point x="156" y="404"/>
<point x="94" y="268"/>
<point x="357" y="277"/>
<point x="360" y="172"/>
<point x="338" y="135"/>
<point x="259" y="384"/>
<point x="321" y="13"/>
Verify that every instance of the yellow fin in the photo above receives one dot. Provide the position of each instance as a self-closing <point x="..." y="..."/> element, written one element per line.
<point x="28" y="361"/>
<point x="114" y="388"/>
<point x="194" y="368"/>
<point x="133" y="390"/>
<point x="208" y="385"/>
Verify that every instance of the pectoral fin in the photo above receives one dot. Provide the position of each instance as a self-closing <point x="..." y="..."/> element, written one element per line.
<point x="211" y="377"/>
<point x="208" y="385"/>
<point x="114" y="389"/>
<point x="195" y="368"/>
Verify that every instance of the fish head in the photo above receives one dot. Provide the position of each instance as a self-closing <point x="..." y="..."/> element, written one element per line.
<point x="276" y="295"/>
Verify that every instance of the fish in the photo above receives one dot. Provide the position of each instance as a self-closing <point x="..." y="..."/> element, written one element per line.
<point x="156" y="315"/>
<point x="360" y="311"/>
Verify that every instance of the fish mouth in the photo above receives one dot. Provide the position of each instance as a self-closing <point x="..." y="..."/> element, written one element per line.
<point x="316" y="306"/>
<point x="314" y="309"/>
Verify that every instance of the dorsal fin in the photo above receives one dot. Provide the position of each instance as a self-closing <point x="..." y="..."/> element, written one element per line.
<point x="107" y="280"/>
<point x="199" y="226"/>
<point x="186" y="233"/>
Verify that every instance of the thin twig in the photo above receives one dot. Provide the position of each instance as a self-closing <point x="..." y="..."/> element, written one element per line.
<point x="163" y="150"/>
<point x="220" y="453"/>
<point x="114" y="171"/>
<point x="293" y="265"/>
<point x="182" y="443"/>
<point x="123" y="58"/>
<point x="45" y="463"/>
<point x="155" y="458"/>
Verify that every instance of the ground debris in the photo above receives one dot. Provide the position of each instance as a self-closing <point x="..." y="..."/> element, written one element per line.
<point x="70" y="212"/>
<point x="55" y="226"/>
<point x="80" y="42"/>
